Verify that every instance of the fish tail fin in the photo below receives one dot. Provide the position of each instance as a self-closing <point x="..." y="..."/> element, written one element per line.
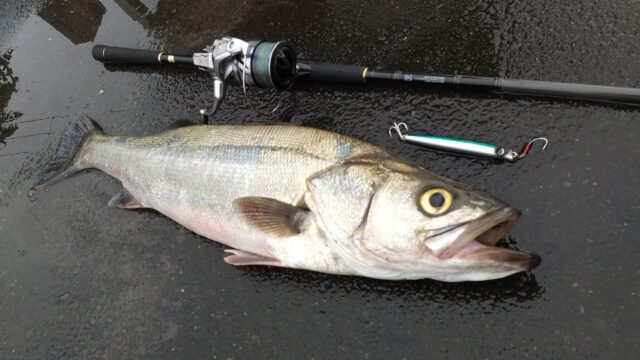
<point x="65" y="163"/>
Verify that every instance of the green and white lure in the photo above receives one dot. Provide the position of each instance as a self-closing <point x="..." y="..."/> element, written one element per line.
<point x="464" y="147"/>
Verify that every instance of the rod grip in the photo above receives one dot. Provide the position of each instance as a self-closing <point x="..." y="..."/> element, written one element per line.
<point x="336" y="72"/>
<point x="113" y="54"/>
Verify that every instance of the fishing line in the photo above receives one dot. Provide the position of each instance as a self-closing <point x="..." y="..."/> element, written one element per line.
<point x="246" y="97"/>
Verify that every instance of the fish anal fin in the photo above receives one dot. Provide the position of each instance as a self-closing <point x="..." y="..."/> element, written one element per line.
<point x="124" y="200"/>
<point x="271" y="216"/>
<point x="243" y="258"/>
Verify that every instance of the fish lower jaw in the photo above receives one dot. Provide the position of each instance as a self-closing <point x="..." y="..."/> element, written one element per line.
<point x="484" y="241"/>
<point x="481" y="253"/>
<point x="477" y="240"/>
<point x="487" y="231"/>
<point x="483" y="249"/>
<point x="469" y="249"/>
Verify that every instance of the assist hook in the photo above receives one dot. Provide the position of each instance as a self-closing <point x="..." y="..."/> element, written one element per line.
<point x="526" y="148"/>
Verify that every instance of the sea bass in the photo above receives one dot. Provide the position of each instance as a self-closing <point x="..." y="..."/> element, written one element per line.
<point x="303" y="198"/>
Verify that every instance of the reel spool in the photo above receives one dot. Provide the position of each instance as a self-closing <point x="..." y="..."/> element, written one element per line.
<point x="268" y="65"/>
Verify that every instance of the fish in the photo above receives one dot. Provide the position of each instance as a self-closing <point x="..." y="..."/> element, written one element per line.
<point x="303" y="198"/>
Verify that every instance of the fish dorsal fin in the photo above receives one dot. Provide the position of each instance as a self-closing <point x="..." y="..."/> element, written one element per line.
<point x="270" y="215"/>
<point x="124" y="200"/>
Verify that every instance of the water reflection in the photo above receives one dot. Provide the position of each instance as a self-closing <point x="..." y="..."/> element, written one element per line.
<point x="136" y="10"/>
<point x="77" y="20"/>
<point x="384" y="34"/>
<point x="8" y="86"/>
<point x="191" y="27"/>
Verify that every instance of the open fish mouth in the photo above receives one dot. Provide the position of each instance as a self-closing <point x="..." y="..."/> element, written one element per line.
<point x="476" y="240"/>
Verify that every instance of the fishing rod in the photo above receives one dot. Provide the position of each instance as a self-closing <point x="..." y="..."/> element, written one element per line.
<point x="274" y="65"/>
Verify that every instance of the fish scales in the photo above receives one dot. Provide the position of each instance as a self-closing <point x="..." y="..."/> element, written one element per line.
<point x="302" y="198"/>
<point x="193" y="174"/>
<point x="258" y="160"/>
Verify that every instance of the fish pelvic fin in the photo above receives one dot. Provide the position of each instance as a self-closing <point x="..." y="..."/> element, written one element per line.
<point x="64" y="163"/>
<point x="243" y="258"/>
<point x="271" y="216"/>
<point x="125" y="200"/>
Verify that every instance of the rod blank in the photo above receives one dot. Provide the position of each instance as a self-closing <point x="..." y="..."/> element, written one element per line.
<point x="570" y="90"/>
<point x="478" y="83"/>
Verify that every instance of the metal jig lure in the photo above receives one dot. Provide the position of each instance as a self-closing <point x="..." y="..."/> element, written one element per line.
<point x="465" y="147"/>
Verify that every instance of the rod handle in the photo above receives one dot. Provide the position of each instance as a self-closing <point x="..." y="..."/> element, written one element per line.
<point x="326" y="72"/>
<point x="113" y="54"/>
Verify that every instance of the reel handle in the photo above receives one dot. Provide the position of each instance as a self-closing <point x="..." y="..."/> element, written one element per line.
<point x="113" y="54"/>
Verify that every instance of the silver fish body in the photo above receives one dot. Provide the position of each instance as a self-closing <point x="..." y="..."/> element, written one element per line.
<point x="302" y="198"/>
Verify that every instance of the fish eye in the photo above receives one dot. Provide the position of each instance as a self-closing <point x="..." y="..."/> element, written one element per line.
<point x="435" y="201"/>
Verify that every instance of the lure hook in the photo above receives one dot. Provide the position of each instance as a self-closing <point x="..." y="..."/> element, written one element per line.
<point x="526" y="148"/>
<point x="397" y="128"/>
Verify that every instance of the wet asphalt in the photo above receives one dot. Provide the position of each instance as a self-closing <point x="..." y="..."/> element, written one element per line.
<point x="79" y="280"/>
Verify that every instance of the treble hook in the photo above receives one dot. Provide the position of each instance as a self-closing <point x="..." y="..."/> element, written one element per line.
<point x="526" y="148"/>
<point x="396" y="127"/>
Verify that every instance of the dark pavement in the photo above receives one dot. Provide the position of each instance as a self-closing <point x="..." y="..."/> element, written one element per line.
<point x="79" y="280"/>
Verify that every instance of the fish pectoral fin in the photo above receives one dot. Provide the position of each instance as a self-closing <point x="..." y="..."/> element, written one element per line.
<point x="243" y="258"/>
<point x="271" y="216"/>
<point x="124" y="200"/>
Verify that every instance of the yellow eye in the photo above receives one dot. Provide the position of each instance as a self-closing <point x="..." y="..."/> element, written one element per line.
<point x="435" y="201"/>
